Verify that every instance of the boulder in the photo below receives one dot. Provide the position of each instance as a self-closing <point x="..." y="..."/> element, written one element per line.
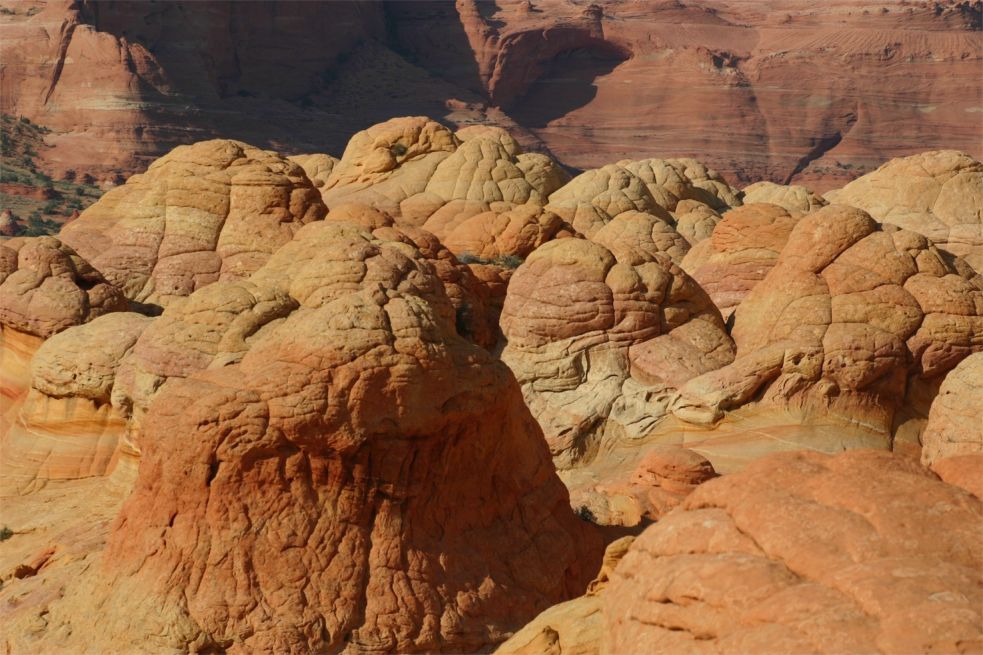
<point x="600" y="336"/>
<point x="802" y="552"/>
<point x="792" y="197"/>
<point x="664" y="476"/>
<point x="672" y="180"/>
<point x="65" y="427"/>
<point x="938" y="194"/>
<point x="46" y="287"/>
<point x="743" y="247"/>
<point x="317" y="167"/>
<point x="356" y="245"/>
<point x="852" y="316"/>
<point x="413" y="167"/>
<point x="695" y="220"/>
<point x="491" y="235"/>
<point x="215" y="210"/>
<point x="955" y="421"/>
<point x="348" y="472"/>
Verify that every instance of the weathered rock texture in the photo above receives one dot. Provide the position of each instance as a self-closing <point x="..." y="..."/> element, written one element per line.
<point x="653" y="187"/>
<point x="573" y="627"/>
<point x="660" y="481"/>
<point x="216" y="326"/>
<point x="317" y="166"/>
<point x="66" y="427"/>
<point x="793" y="197"/>
<point x="600" y="334"/>
<point x="214" y="210"/>
<point x="46" y="287"/>
<point x="420" y="172"/>
<point x="937" y="194"/>
<point x="955" y="421"/>
<point x="742" y="248"/>
<point x="863" y="552"/>
<point x="886" y="561"/>
<point x="338" y="471"/>
<point x="851" y="317"/>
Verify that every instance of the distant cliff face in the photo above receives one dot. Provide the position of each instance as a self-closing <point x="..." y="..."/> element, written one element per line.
<point x="786" y="90"/>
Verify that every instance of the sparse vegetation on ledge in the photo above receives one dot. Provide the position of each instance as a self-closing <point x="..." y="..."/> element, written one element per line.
<point x="31" y="202"/>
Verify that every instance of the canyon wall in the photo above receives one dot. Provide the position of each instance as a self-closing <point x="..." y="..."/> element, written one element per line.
<point x="774" y="89"/>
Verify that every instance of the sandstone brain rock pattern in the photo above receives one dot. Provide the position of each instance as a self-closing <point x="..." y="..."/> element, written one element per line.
<point x="742" y="248"/>
<point x="864" y="552"/>
<point x="317" y="405"/>
<point x="851" y="316"/>
<point x="412" y="167"/>
<point x="322" y="476"/>
<point x="938" y="194"/>
<point x="46" y="287"/>
<point x="214" y="210"/>
<point x="600" y="334"/>
<point x="955" y="422"/>
<point x="651" y="189"/>
<point x="793" y="197"/>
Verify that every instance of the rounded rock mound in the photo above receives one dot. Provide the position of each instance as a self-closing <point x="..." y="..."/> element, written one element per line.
<point x="955" y="421"/>
<point x="740" y="251"/>
<point x="791" y="197"/>
<point x="336" y="469"/>
<point x="413" y="167"/>
<point x="215" y="210"/>
<point x="601" y="334"/>
<point x="864" y="552"/>
<point x="852" y="317"/>
<point x="938" y="194"/>
<point x="46" y="287"/>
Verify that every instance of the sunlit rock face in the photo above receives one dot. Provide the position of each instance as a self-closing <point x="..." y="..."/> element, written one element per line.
<point x="600" y="333"/>
<point x="850" y="317"/>
<point x="938" y="194"/>
<point x="215" y="210"/>
<point x="373" y="466"/>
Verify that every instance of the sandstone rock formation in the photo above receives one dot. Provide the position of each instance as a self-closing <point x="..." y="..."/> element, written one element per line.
<point x="742" y="248"/>
<point x="790" y="91"/>
<point x="887" y="561"/>
<point x="82" y="362"/>
<point x="493" y="236"/>
<point x="672" y="180"/>
<point x="324" y="482"/>
<point x="852" y="316"/>
<point x="955" y="422"/>
<point x="759" y="91"/>
<point x="964" y="471"/>
<point x="792" y="197"/>
<point x="216" y="326"/>
<point x="665" y="475"/>
<point x="413" y="167"/>
<point x="695" y="220"/>
<point x="66" y="427"/>
<point x="938" y="194"/>
<point x="214" y="210"/>
<point x="317" y="166"/>
<point x="46" y="287"/>
<point x="596" y="197"/>
<point x="863" y="552"/>
<point x="600" y="333"/>
<point x="573" y="627"/>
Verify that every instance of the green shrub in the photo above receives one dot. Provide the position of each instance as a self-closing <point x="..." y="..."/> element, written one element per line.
<point x="6" y="533"/>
